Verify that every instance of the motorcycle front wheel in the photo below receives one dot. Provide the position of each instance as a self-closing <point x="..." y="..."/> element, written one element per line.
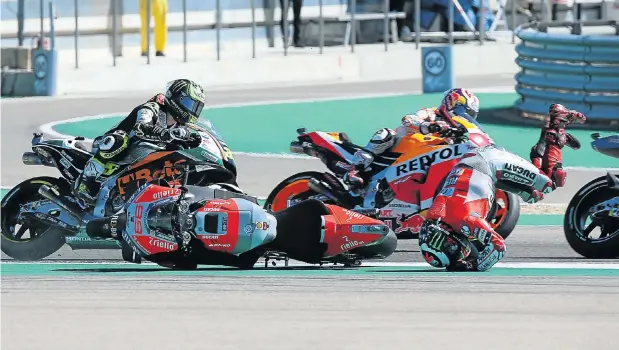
<point x="577" y="222"/>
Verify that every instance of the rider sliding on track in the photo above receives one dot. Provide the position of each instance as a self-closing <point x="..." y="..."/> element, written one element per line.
<point x="455" y="102"/>
<point x="466" y="198"/>
<point x="157" y="122"/>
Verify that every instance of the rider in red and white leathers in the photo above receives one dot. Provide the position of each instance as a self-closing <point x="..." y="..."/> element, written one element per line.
<point x="466" y="198"/>
<point x="426" y="120"/>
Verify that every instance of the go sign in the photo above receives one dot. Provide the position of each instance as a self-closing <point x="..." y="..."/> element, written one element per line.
<point x="434" y="62"/>
<point x="437" y="72"/>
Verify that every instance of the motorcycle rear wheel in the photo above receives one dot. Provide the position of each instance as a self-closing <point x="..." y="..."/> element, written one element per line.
<point x="574" y="222"/>
<point x="505" y="214"/>
<point x="295" y="187"/>
<point x="44" y="240"/>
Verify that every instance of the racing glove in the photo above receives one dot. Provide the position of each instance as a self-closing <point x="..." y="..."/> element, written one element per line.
<point x="192" y="139"/>
<point x="437" y="126"/>
<point x="547" y="153"/>
<point x="158" y="133"/>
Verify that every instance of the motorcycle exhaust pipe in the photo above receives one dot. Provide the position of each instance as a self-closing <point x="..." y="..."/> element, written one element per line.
<point x="51" y="195"/>
<point x="295" y="147"/>
<point x="108" y="227"/>
<point x="31" y="158"/>
<point x="316" y="186"/>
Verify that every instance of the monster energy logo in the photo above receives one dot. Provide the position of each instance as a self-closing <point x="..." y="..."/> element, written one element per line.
<point x="437" y="241"/>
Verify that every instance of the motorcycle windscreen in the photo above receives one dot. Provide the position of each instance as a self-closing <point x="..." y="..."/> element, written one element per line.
<point x="469" y="116"/>
<point x="208" y="125"/>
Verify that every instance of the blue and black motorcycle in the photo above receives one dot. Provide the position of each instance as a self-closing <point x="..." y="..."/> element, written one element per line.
<point x="596" y="205"/>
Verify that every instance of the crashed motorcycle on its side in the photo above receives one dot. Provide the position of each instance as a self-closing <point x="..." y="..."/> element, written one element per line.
<point x="186" y="226"/>
<point x="595" y="205"/>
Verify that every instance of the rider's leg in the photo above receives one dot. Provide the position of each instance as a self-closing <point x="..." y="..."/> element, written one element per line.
<point x="382" y="140"/>
<point x="108" y="149"/>
<point x="463" y="205"/>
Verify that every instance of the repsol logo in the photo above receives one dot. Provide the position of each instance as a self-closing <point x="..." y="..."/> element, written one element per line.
<point x="424" y="162"/>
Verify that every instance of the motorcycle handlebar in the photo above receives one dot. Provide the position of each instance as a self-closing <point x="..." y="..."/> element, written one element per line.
<point x="454" y="132"/>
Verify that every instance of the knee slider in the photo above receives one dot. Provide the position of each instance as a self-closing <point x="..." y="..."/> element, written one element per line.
<point x="114" y="144"/>
<point x="559" y="176"/>
<point x="382" y="140"/>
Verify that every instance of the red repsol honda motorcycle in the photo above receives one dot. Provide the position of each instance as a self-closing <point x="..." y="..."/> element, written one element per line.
<point x="186" y="226"/>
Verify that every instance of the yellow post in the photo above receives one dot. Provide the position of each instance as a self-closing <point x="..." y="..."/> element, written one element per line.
<point x="159" y="10"/>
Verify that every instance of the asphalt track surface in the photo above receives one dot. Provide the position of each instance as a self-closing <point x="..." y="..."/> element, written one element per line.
<point x="414" y="311"/>
<point x="346" y="312"/>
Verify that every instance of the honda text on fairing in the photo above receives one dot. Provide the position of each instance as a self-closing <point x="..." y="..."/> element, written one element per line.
<point x="45" y="207"/>
<point x="597" y="203"/>
<point x="402" y="182"/>
<point x="187" y="226"/>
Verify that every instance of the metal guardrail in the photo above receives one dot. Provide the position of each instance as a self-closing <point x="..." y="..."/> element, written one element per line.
<point x="351" y="19"/>
<point x="580" y="71"/>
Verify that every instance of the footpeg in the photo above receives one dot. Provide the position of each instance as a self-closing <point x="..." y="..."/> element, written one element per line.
<point x="373" y="213"/>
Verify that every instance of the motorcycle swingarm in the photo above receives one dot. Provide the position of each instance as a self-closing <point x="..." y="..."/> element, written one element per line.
<point x="49" y="213"/>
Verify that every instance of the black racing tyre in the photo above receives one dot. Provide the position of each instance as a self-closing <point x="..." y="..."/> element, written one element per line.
<point x="44" y="240"/>
<point x="574" y="222"/>
<point x="505" y="214"/>
<point x="295" y="186"/>
<point x="379" y="251"/>
<point x="179" y="265"/>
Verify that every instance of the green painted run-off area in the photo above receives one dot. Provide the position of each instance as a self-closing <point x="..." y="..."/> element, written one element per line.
<point x="271" y="128"/>
<point x="37" y="269"/>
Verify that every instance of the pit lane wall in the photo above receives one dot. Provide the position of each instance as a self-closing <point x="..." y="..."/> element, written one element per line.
<point x="573" y="63"/>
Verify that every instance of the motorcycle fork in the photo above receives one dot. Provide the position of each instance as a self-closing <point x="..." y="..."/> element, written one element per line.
<point x="613" y="181"/>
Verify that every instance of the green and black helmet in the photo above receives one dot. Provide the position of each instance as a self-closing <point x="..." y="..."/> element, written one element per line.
<point x="185" y="100"/>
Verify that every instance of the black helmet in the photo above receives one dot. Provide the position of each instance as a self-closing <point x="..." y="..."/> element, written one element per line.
<point x="185" y="100"/>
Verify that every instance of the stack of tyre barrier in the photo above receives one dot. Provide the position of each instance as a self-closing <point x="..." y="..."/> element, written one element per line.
<point x="576" y="69"/>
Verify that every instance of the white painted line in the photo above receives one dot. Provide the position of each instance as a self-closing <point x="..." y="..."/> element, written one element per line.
<point x="513" y="265"/>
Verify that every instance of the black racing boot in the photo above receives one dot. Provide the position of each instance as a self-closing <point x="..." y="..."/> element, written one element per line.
<point x="86" y="191"/>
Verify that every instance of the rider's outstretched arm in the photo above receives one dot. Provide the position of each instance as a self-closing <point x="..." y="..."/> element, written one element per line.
<point x="421" y="121"/>
<point x="146" y="127"/>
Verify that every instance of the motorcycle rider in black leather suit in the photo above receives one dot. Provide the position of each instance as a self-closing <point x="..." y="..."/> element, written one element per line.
<point x="158" y="121"/>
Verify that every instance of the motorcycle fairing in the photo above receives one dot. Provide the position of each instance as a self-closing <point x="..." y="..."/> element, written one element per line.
<point x="64" y="154"/>
<point x="233" y="225"/>
<point x="344" y="230"/>
<point x="404" y="179"/>
<point x="608" y="145"/>
<point x="137" y="232"/>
